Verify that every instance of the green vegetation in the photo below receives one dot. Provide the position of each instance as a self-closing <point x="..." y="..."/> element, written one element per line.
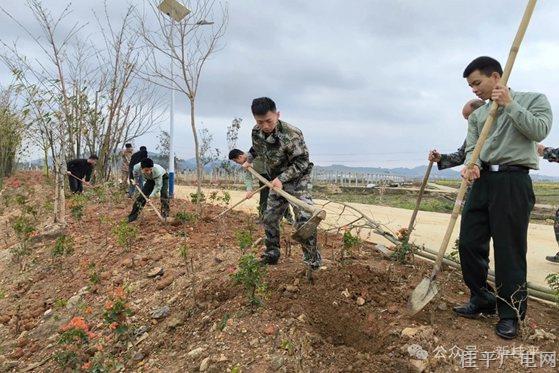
<point x="244" y="239"/>
<point x="126" y="234"/>
<point x="64" y="246"/>
<point x="251" y="275"/>
<point x="185" y="217"/>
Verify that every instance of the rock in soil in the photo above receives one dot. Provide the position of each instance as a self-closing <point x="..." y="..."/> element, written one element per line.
<point x="205" y="364"/>
<point x="196" y="352"/>
<point x="157" y="271"/>
<point x="160" y="313"/>
<point x="164" y="282"/>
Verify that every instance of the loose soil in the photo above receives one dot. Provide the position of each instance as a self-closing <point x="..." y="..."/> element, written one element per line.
<point x="351" y="318"/>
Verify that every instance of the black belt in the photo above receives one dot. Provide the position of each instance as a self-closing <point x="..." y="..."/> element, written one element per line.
<point x="504" y="168"/>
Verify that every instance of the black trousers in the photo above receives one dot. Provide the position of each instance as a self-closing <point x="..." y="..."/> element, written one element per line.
<point x="498" y="207"/>
<point x="76" y="186"/>
<point x="147" y="189"/>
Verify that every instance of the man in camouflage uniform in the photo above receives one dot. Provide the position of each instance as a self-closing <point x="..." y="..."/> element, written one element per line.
<point x="282" y="148"/>
<point x="552" y="155"/>
<point x="457" y="158"/>
<point x="126" y="155"/>
<point x="240" y="157"/>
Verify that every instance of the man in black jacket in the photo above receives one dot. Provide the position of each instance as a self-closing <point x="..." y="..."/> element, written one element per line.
<point x="79" y="170"/>
<point x="134" y="160"/>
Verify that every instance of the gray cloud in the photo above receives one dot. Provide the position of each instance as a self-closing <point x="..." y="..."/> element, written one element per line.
<point x="369" y="82"/>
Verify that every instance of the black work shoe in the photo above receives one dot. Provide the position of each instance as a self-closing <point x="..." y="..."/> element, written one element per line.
<point x="132" y="218"/>
<point x="266" y="259"/>
<point x="507" y="328"/>
<point x="472" y="311"/>
<point x="553" y="258"/>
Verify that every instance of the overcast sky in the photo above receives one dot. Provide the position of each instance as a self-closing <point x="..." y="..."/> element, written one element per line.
<point x="370" y="83"/>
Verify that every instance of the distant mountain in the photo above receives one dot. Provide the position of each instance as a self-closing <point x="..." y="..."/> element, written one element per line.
<point x="415" y="172"/>
<point x="408" y="173"/>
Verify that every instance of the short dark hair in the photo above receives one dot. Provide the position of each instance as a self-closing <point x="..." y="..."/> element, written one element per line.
<point x="146" y="162"/>
<point x="476" y="104"/>
<point x="262" y="105"/>
<point x="234" y="153"/>
<point x="93" y="156"/>
<point x="486" y="65"/>
<point x="143" y="148"/>
<point x="128" y="145"/>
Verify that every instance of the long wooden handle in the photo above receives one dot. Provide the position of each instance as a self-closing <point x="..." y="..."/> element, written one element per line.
<point x="150" y="203"/>
<point x="484" y="133"/>
<point x="83" y="181"/>
<point x="419" y="197"/>
<point x="238" y="203"/>
<point x="296" y="201"/>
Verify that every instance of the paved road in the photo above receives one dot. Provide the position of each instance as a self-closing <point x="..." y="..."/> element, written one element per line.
<point x="429" y="231"/>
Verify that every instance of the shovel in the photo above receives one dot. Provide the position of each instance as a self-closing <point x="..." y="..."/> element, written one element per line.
<point x="419" y="196"/>
<point x="150" y="203"/>
<point x="427" y="288"/>
<point x="306" y="230"/>
<point x="238" y="203"/>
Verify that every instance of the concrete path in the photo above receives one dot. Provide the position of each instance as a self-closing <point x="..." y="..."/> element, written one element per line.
<point x="429" y="231"/>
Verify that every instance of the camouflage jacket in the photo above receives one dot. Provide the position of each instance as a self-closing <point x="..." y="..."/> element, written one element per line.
<point x="126" y="155"/>
<point x="283" y="152"/>
<point x="551" y="154"/>
<point x="453" y="159"/>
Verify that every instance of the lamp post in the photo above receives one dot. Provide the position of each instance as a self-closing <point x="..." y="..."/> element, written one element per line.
<point x="176" y="11"/>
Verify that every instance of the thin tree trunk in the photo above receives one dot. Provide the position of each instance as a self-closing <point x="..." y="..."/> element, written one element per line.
<point x="45" y="150"/>
<point x="198" y="160"/>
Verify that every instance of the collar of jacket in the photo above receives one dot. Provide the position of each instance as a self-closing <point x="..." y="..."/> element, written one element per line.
<point x="273" y="136"/>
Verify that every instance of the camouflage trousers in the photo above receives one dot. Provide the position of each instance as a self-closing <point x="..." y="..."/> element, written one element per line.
<point x="274" y="213"/>
<point x="556" y="225"/>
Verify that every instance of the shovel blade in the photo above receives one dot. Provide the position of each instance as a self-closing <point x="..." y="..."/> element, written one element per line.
<point x="306" y="230"/>
<point x="422" y="295"/>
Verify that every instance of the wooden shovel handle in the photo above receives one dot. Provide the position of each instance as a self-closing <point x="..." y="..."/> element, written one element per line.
<point x="484" y="133"/>
<point x="296" y="201"/>
<point x="83" y="181"/>
<point x="150" y="203"/>
<point x="419" y="197"/>
<point x="238" y="203"/>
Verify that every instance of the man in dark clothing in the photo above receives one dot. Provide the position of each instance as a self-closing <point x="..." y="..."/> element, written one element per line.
<point x="80" y="169"/>
<point x="134" y="160"/>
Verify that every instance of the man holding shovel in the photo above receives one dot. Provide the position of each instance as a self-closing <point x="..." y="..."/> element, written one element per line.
<point x="240" y="157"/>
<point x="135" y="159"/>
<point x="79" y="171"/>
<point x="284" y="153"/>
<point x="501" y="197"/>
<point x="457" y="158"/>
<point x="156" y="183"/>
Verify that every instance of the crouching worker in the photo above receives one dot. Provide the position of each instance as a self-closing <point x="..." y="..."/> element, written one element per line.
<point x="79" y="171"/>
<point x="156" y="183"/>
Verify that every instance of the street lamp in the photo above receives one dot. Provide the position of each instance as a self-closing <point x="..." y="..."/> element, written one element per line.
<point x="176" y="11"/>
